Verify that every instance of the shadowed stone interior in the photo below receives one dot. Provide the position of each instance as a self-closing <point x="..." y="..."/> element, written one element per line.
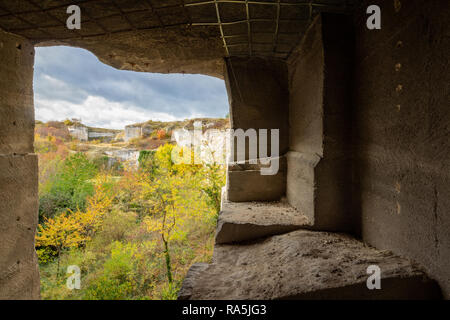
<point x="364" y="136"/>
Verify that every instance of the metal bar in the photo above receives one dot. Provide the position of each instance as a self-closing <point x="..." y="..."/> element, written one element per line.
<point x="186" y="13"/>
<point x="245" y="21"/>
<point x="80" y="3"/>
<point x="275" y="37"/>
<point x="219" y="21"/>
<point x="259" y="2"/>
<point x="123" y="15"/>
<point x="249" y="28"/>
<point x="100" y="19"/>
<point x="27" y="22"/>
<point x="254" y="42"/>
<point x="260" y="33"/>
<point x="51" y="16"/>
<point x="228" y="23"/>
<point x="92" y="19"/>
<point x="235" y="36"/>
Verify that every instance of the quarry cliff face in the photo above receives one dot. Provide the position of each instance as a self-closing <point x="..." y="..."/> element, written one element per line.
<point x="149" y="128"/>
<point x="211" y="146"/>
<point x="124" y="146"/>
<point x="79" y="132"/>
<point x="132" y="132"/>
<point x="84" y="133"/>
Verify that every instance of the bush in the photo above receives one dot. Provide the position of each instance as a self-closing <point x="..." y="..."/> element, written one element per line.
<point x="116" y="226"/>
<point x="70" y="187"/>
<point x="119" y="278"/>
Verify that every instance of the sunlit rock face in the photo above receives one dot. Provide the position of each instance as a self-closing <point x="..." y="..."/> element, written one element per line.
<point x="105" y="135"/>
<point x="210" y="146"/>
<point x="79" y="132"/>
<point x="84" y="133"/>
<point x="132" y="132"/>
<point x="128" y="156"/>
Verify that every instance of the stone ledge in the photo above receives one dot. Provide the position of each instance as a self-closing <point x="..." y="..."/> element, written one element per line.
<point x="250" y="185"/>
<point x="242" y="221"/>
<point x="305" y="265"/>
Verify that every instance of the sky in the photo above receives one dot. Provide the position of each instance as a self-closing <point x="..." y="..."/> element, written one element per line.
<point x="73" y="83"/>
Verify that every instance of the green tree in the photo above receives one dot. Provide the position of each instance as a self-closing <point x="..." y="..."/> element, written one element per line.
<point x="214" y="180"/>
<point x="70" y="187"/>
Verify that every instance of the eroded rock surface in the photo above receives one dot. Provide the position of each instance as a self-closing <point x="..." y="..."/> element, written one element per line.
<point x="239" y="221"/>
<point x="305" y="265"/>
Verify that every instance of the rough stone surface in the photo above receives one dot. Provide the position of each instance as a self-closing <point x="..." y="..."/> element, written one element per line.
<point x="16" y="98"/>
<point x="250" y="185"/>
<point x="172" y="50"/>
<point x="319" y="161"/>
<point x="163" y="36"/>
<point x="300" y="183"/>
<point x="19" y="275"/>
<point x="258" y="95"/>
<point x="305" y="265"/>
<point x="402" y="130"/>
<point x="252" y="220"/>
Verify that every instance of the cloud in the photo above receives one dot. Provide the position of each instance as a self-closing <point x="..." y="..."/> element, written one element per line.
<point x="98" y="112"/>
<point x="71" y="82"/>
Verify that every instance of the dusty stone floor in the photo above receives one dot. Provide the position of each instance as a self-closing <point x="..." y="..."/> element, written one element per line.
<point x="240" y="221"/>
<point x="304" y="265"/>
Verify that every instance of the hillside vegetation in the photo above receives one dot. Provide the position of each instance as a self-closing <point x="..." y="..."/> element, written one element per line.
<point x="132" y="232"/>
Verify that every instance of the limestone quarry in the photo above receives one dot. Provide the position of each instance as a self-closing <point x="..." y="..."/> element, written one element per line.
<point x="124" y="146"/>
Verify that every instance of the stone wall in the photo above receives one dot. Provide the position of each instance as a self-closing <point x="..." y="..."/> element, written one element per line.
<point x="391" y="140"/>
<point x="19" y="275"/>
<point x="258" y="96"/>
<point x="319" y="158"/>
<point x="402" y="130"/>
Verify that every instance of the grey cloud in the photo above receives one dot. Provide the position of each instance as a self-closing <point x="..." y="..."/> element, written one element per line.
<point x="71" y="76"/>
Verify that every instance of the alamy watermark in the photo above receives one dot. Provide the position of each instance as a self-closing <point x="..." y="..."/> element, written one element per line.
<point x="74" y="20"/>
<point x="374" y="280"/>
<point x="74" y="280"/>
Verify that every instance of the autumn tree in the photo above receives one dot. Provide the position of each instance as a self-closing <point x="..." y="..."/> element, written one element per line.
<point x="61" y="232"/>
<point x="171" y="195"/>
<point x="213" y="182"/>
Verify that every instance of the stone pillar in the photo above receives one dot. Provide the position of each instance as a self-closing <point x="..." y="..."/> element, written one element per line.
<point x="19" y="274"/>
<point x="258" y="96"/>
<point x="319" y="158"/>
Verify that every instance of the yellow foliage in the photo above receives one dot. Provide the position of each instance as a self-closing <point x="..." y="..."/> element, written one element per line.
<point x="63" y="231"/>
<point x="71" y="229"/>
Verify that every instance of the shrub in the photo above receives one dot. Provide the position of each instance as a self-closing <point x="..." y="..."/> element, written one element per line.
<point x="70" y="187"/>
<point x="119" y="278"/>
<point x="116" y="226"/>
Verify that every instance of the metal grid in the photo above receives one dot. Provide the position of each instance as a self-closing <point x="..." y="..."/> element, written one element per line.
<point x="54" y="27"/>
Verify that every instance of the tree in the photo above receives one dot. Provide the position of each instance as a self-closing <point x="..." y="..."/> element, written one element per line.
<point x="161" y="134"/>
<point x="171" y="197"/>
<point x="161" y="191"/>
<point x="72" y="229"/>
<point x="99" y="204"/>
<point x="70" y="186"/>
<point x="62" y="232"/>
<point x="214" y="180"/>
